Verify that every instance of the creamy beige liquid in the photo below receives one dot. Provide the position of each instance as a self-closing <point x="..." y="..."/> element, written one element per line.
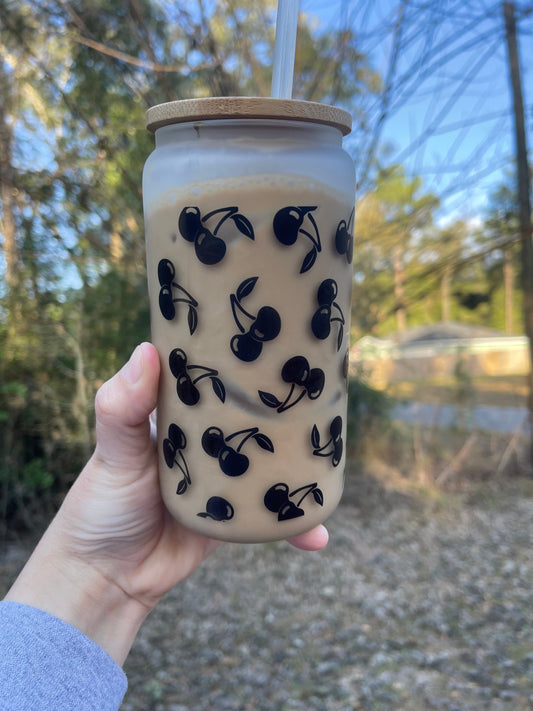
<point x="274" y="269"/>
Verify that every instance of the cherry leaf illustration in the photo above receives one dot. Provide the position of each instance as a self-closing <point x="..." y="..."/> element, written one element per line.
<point x="192" y="319"/>
<point x="182" y="487"/>
<point x="309" y="260"/>
<point x="269" y="399"/>
<point x="218" y="388"/>
<point x="339" y="338"/>
<point x="315" y="437"/>
<point x="264" y="442"/>
<point x="246" y="287"/>
<point x="244" y="225"/>
<point x="318" y="496"/>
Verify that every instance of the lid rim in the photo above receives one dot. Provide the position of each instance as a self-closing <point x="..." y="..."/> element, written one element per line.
<point x="241" y="107"/>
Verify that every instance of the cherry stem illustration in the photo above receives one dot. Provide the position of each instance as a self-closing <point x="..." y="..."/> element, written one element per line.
<point x="184" y="469"/>
<point x="184" y="301"/>
<point x="189" y="300"/>
<point x="319" y="451"/>
<point x="209" y="372"/>
<point x="284" y="405"/>
<point x="308" y="488"/>
<point x="236" y="304"/>
<point x="350" y="218"/>
<point x="250" y="432"/>
<point x="336" y="318"/>
<point x="313" y="240"/>
<point x="229" y="212"/>
<point x="313" y="222"/>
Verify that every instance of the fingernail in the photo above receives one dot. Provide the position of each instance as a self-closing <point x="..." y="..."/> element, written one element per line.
<point x="325" y="534"/>
<point x="133" y="369"/>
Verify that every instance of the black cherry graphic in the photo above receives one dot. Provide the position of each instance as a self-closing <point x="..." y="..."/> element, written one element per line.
<point x="218" y="509"/>
<point x="288" y="225"/>
<point x="209" y="248"/>
<point x="172" y="447"/>
<point x="166" y="274"/>
<point x="324" y="315"/>
<point x="344" y="238"/>
<point x="278" y="500"/>
<point x="346" y="368"/>
<point x="232" y="462"/>
<point x="303" y="380"/>
<point x="263" y="327"/>
<point x="186" y="388"/>
<point x="334" y="446"/>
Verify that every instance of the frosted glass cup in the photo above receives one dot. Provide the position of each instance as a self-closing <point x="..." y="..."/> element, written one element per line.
<point x="249" y="207"/>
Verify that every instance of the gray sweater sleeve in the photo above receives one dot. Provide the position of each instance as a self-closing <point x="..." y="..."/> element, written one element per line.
<point x="47" y="664"/>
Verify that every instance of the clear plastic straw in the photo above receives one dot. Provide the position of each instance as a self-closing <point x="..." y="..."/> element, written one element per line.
<point x="285" y="48"/>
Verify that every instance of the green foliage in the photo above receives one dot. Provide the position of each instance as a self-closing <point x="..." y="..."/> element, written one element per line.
<point x="455" y="272"/>
<point x="35" y="477"/>
<point x="116" y="318"/>
<point x="368" y="408"/>
<point x="390" y="227"/>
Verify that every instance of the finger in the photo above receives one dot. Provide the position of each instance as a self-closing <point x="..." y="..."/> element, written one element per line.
<point x="313" y="540"/>
<point x="123" y="405"/>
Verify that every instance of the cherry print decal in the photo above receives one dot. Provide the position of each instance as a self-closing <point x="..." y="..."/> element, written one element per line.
<point x="186" y="388"/>
<point x="334" y="446"/>
<point x="303" y="380"/>
<point x="346" y="368"/>
<point x="166" y="274"/>
<point x="344" y="238"/>
<point x="323" y="316"/>
<point x="218" y="509"/>
<point x="287" y="226"/>
<point x="265" y="326"/>
<point x="209" y="248"/>
<point x="232" y="462"/>
<point x="172" y="447"/>
<point x="278" y="500"/>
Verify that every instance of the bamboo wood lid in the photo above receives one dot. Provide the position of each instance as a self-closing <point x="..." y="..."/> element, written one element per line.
<point x="242" y="107"/>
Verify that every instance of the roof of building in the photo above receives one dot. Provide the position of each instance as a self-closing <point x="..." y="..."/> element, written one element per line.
<point x="443" y="331"/>
<point x="436" y="339"/>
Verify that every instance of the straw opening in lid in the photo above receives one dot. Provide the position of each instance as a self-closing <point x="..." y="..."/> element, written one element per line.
<point x="241" y="107"/>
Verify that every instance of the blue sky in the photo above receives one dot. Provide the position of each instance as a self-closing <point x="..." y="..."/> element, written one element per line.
<point x="453" y="127"/>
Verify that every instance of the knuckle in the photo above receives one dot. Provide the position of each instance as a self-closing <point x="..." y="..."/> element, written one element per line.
<point x="105" y="405"/>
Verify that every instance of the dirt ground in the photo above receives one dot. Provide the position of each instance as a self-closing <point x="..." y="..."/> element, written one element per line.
<point x="418" y="602"/>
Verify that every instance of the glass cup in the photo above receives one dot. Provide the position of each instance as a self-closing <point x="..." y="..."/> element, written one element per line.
<point x="249" y="207"/>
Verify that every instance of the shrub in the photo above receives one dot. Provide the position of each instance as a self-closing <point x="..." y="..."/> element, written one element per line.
<point x="367" y="409"/>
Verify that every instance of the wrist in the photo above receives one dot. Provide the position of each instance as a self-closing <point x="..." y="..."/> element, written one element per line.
<point x="79" y="594"/>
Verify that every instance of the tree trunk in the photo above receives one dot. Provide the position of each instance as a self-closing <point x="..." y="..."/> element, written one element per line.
<point x="82" y="404"/>
<point x="445" y="295"/>
<point x="7" y="189"/>
<point x="508" y="281"/>
<point x="399" y="279"/>
<point x="524" y="187"/>
<point x="116" y="247"/>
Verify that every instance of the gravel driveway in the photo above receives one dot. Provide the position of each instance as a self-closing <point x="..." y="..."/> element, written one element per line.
<point x="412" y="606"/>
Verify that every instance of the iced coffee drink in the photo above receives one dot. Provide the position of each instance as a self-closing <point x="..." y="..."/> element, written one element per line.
<point x="249" y="257"/>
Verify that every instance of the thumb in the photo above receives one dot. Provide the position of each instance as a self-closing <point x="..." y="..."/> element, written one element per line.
<point x="123" y="405"/>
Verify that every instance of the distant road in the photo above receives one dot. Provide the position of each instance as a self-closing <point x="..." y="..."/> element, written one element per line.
<point x="482" y="417"/>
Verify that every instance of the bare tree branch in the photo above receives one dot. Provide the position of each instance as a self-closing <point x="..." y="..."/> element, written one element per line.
<point x="386" y="93"/>
<point x="128" y="58"/>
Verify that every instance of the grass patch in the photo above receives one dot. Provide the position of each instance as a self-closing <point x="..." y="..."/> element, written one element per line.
<point x="425" y="460"/>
